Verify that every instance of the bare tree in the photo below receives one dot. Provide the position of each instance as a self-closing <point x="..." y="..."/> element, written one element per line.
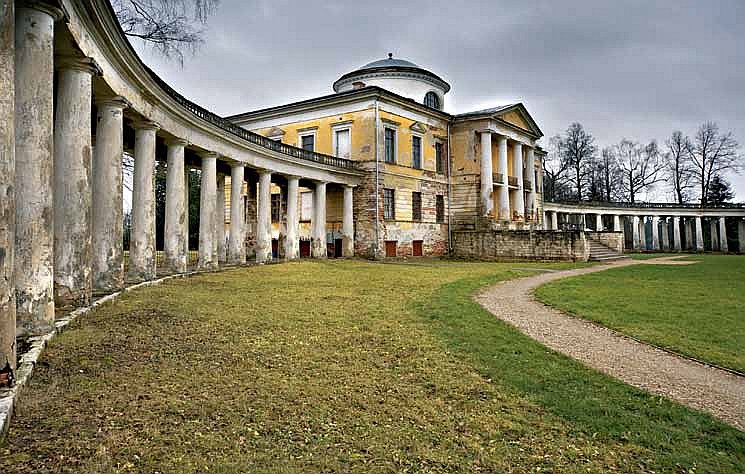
<point x="554" y="171"/>
<point x="640" y="167"/>
<point x="578" y="148"/>
<point x="606" y="176"/>
<point x="712" y="154"/>
<point x="170" y="26"/>
<point x="679" y="167"/>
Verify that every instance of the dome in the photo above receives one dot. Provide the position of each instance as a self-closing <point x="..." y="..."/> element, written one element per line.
<point x="399" y="76"/>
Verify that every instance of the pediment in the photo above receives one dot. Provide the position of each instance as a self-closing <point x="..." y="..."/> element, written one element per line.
<point x="275" y="132"/>
<point x="518" y="116"/>
<point x="418" y="127"/>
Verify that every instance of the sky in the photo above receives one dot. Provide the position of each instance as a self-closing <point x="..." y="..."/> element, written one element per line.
<point x="624" y="69"/>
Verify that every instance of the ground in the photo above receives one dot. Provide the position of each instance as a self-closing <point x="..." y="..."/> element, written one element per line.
<point x="339" y="366"/>
<point x="696" y="310"/>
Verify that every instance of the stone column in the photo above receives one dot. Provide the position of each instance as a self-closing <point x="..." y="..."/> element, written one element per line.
<point x="689" y="244"/>
<point x="174" y="231"/>
<point x="530" y="168"/>
<point x="636" y="234"/>
<point x="347" y="226"/>
<point x="665" y="237"/>
<point x="741" y="235"/>
<point x="723" y="245"/>
<point x="220" y="220"/>
<point x="207" y="202"/>
<point x="699" y="235"/>
<point x="643" y="233"/>
<point x="617" y="223"/>
<point x="72" y="182"/>
<point x="34" y="237"/>
<point x="554" y="220"/>
<point x="264" y="218"/>
<point x="599" y="222"/>
<point x="517" y="162"/>
<point x="108" y="253"/>
<point x="7" y="182"/>
<point x="142" y="259"/>
<point x="185" y="224"/>
<point x="318" y="238"/>
<point x="503" y="190"/>
<point x="236" y="244"/>
<point x="713" y="233"/>
<point x="487" y="184"/>
<point x="655" y="233"/>
<point x="292" y="240"/>
<point x="676" y="234"/>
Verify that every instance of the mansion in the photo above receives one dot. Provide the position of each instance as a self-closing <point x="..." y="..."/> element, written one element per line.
<point x="426" y="171"/>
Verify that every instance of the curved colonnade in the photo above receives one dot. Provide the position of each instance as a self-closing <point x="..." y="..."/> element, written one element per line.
<point x="61" y="174"/>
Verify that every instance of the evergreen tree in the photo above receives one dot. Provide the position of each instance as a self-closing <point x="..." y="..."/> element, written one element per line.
<point x="719" y="191"/>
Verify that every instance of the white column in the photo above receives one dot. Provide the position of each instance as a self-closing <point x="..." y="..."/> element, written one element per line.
<point x="34" y="119"/>
<point x="665" y="237"/>
<point x="530" y="168"/>
<point x="142" y="241"/>
<point x="643" y="233"/>
<point x="741" y="235"/>
<point x="676" y="234"/>
<point x="108" y="196"/>
<point x="264" y="218"/>
<point x="318" y="239"/>
<point x="689" y="234"/>
<point x="174" y="231"/>
<point x="292" y="239"/>
<point x="185" y="224"/>
<point x="617" y="223"/>
<point x="72" y="183"/>
<point x="546" y="221"/>
<point x="699" y="235"/>
<point x="487" y="184"/>
<point x="599" y="222"/>
<point x="220" y="220"/>
<point x="236" y="243"/>
<point x="713" y="232"/>
<point x="503" y="190"/>
<point x="655" y="233"/>
<point x="554" y="220"/>
<point x="347" y="227"/>
<point x="517" y="162"/>
<point x="7" y="182"/>
<point x="723" y="245"/>
<point x="207" y="200"/>
<point x="636" y="235"/>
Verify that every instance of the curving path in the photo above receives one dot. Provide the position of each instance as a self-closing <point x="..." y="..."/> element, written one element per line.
<point x="696" y="385"/>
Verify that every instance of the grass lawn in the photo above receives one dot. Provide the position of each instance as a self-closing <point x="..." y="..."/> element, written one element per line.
<point x="338" y="367"/>
<point x="648" y="256"/>
<point x="697" y="310"/>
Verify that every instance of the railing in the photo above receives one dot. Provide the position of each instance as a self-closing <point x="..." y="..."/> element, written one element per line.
<point x="249" y="136"/>
<point x="512" y="180"/>
<point x="651" y="205"/>
<point x="498" y="178"/>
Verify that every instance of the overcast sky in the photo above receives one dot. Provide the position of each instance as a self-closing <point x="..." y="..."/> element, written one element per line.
<point x="633" y="69"/>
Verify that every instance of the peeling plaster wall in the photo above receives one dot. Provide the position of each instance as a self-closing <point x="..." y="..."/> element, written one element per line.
<point x="503" y="245"/>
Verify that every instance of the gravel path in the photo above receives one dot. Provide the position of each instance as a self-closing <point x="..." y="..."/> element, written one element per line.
<point x="696" y="385"/>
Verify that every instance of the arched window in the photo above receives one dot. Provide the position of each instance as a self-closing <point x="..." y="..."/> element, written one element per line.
<point x="431" y="100"/>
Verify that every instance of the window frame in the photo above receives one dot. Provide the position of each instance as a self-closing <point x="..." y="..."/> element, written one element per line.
<point x="440" y="209"/>
<point x="394" y="131"/>
<point x="437" y="98"/>
<point x="275" y="211"/>
<point x="420" y="137"/>
<point x="414" y="216"/>
<point x="389" y="209"/>
<point x="338" y="128"/>
<point x="307" y="133"/>
<point x="440" y="161"/>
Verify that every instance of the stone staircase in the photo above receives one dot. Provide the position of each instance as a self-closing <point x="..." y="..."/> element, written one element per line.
<point x="601" y="253"/>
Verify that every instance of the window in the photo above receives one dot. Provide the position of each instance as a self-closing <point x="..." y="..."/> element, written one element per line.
<point x="342" y="143"/>
<point x="390" y="145"/>
<point x="439" y="162"/>
<point x="308" y="142"/>
<point x="432" y="100"/>
<point x="416" y="152"/>
<point x="389" y="204"/>
<point x="276" y="203"/>
<point x="416" y="206"/>
<point x="440" y="209"/>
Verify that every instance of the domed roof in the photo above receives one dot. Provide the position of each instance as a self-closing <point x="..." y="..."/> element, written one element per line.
<point x="392" y="67"/>
<point x="389" y="62"/>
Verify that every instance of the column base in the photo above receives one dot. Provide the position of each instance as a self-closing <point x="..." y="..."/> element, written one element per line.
<point x="318" y="248"/>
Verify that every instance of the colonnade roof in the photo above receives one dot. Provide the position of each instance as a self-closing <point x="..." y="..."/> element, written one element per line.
<point x="647" y="208"/>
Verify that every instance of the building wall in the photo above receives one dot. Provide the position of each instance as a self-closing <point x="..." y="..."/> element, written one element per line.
<point x="506" y="245"/>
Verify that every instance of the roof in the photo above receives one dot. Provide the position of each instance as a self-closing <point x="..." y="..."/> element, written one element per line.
<point x="495" y="113"/>
<point x="489" y="111"/>
<point x="391" y="65"/>
<point x="389" y="62"/>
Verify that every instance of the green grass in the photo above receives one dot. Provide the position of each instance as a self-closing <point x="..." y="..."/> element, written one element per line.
<point x="697" y="310"/>
<point x="338" y="367"/>
<point x="648" y="256"/>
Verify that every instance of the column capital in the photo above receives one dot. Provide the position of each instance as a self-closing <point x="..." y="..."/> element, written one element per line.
<point x="78" y="63"/>
<point x="56" y="13"/>
<point x="175" y="141"/>
<point x="208" y="154"/>
<point x="115" y="101"/>
<point x="145" y="124"/>
<point x="237" y="164"/>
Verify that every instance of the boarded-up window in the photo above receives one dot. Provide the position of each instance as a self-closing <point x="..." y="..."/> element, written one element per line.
<point x="389" y="204"/>
<point x="439" y="158"/>
<point x="342" y="143"/>
<point x="440" y="209"/>
<point x="276" y="204"/>
<point x="390" y="145"/>
<point x="306" y="206"/>
<point x="416" y="152"/>
<point x="416" y="206"/>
